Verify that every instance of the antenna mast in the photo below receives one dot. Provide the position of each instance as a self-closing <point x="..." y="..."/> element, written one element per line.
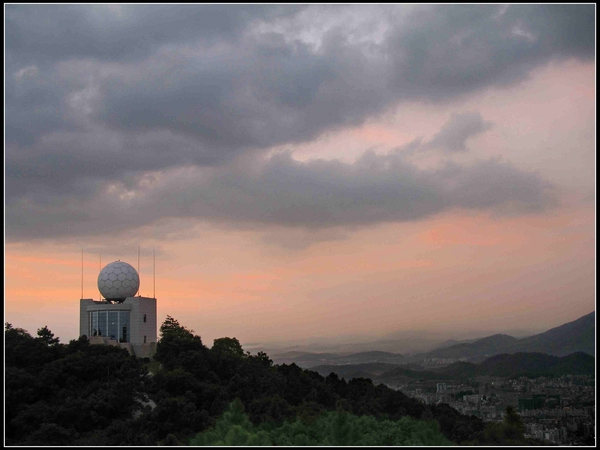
<point x="154" y="274"/>
<point x="82" y="273"/>
<point x="100" y="270"/>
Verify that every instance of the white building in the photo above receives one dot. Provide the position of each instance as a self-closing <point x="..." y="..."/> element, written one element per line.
<point x="120" y="318"/>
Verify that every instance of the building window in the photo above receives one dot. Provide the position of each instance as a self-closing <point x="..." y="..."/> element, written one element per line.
<point x="144" y="318"/>
<point x="113" y="325"/>
<point x="102" y="323"/>
<point x="144" y="339"/>
<point x="124" y="326"/>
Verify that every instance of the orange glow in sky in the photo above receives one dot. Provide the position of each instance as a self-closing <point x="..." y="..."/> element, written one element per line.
<point x="317" y="242"/>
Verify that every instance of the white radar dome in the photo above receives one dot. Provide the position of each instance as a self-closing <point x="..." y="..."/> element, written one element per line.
<point x="118" y="280"/>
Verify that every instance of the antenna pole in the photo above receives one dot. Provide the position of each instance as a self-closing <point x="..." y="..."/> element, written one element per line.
<point x="100" y="270"/>
<point x="138" y="260"/>
<point x="154" y="274"/>
<point x="82" y="273"/>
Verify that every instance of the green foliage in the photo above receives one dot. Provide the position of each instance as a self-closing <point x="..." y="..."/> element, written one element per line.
<point x="82" y="394"/>
<point x="455" y="426"/>
<point x="233" y="428"/>
<point x="335" y="428"/>
<point x="508" y="433"/>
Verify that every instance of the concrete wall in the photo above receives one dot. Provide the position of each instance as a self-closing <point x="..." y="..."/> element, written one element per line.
<point x="84" y="321"/>
<point x="139" y="328"/>
<point x="144" y="350"/>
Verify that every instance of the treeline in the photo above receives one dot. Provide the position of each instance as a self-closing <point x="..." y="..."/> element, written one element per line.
<point x="82" y="394"/>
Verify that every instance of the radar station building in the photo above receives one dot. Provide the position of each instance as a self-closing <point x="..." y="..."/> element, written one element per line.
<point x="120" y="318"/>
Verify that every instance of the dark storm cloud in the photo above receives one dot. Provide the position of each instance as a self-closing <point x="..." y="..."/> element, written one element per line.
<point x="449" y="50"/>
<point x="315" y="195"/>
<point x="240" y="97"/>
<point x="102" y="95"/>
<point x="50" y="33"/>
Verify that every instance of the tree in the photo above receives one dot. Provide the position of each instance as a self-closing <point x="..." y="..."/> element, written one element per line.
<point x="513" y="425"/>
<point x="22" y="350"/>
<point x="509" y="432"/>
<point x="230" y="346"/>
<point x="263" y="358"/>
<point x="170" y="440"/>
<point x="46" y="336"/>
<point x="178" y="346"/>
<point x="233" y="428"/>
<point x="171" y="327"/>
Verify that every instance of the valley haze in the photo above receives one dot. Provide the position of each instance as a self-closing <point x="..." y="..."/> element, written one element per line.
<point x="400" y="341"/>
<point x="572" y="337"/>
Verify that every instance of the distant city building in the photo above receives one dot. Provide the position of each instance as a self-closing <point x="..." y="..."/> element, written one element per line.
<point x="526" y="404"/>
<point x="473" y="398"/>
<point x="121" y="318"/>
<point x="539" y="401"/>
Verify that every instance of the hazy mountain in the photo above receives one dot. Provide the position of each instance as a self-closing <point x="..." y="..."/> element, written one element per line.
<point x="349" y="371"/>
<point x="369" y="357"/>
<point x="576" y="336"/>
<point x="306" y="359"/>
<point x="482" y="347"/>
<point x="403" y="342"/>
<point x="571" y="337"/>
<point x="451" y="342"/>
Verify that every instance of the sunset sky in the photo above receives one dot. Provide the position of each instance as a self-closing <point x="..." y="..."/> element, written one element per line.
<point x="303" y="170"/>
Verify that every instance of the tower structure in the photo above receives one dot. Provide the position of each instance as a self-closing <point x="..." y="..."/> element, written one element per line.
<point x="120" y="318"/>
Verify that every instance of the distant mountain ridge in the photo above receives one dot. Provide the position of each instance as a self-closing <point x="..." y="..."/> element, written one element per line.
<point x="349" y="371"/>
<point x="306" y="359"/>
<point x="485" y="346"/>
<point x="576" y="336"/>
<point x="503" y="365"/>
<point x="571" y="337"/>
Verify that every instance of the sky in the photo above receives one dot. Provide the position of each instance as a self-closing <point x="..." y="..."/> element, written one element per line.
<point x="303" y="171"/>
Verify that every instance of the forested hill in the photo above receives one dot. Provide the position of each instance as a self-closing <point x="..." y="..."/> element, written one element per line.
<point x="504" y="365"/>
<point x="523" y="364"/>
<point x="94" y="395"/>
